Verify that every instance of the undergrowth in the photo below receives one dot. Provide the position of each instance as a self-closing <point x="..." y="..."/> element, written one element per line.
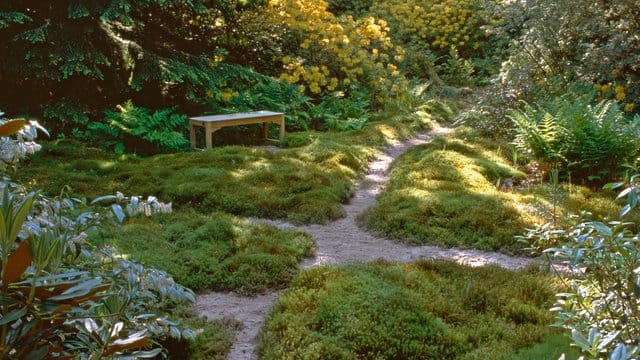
<point x="213" y="252"/>
<point x="422" y="310"/>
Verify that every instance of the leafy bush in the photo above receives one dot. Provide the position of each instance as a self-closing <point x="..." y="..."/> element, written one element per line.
<point x="590" y="141"/>
<point x="328" y="52"/>
<point x="63" y="298"/>
<point x="343" y="113"/>
<point x="456" y="71"/>
<point x="427" y="30"/>
<point x="600" y="308"/>
<point x="134" y="128"/>
<point x="422" y="310"/>
<point x="600" y="304"/>
<point x="584" y="41"/>
<point x="239" y="89"/>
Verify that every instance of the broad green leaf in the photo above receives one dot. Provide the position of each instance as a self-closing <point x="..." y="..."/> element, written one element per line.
<point x="118" y="212"/>
<point x="79" y="290"/>
<point x="619" y="353"/>
<point x="13" y="316"/>
<point x="580" y="340"/>
<point x="103" y="199"/>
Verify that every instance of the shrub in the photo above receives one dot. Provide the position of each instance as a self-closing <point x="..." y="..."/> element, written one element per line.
<point x="585" y="41"/>
<point x="428" y="29"/>
<point x="590" y="141"/>
<point x="439" y="24"/>
<point x="329" y="52"/>
<point x="342" y="113"/>
<point x="600" y="304"/>
<point x="137" y="129"/>
<point x="62" y="298"/>
<point x="600" y="307"/>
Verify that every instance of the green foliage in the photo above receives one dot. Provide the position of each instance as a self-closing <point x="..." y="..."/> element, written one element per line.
<point x="238" y="89"/>
<point x="355" y="8"/>
<point x="87" y="57"/>
<point x="343" y="113"/>
<point x="600" y="304"/>
<point x="305" y="184"/>
<point x="590" y="141"/>
<point x="162" y="129"/>
<point x="423" y="310"/>
<point x="216" y="252"/>
<point x="586" y="41"/>
<point x="456" y="71"/>
<point x="63" y="298"/>
<point x="600" y="308"/>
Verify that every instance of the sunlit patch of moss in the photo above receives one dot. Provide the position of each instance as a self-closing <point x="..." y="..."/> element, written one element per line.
<point x="215" y="251"/>
<point x="421" y="310"/>
<point x="449" y="192"/>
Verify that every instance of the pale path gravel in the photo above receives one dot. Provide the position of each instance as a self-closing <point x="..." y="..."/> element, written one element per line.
<point x="339" y="242"/>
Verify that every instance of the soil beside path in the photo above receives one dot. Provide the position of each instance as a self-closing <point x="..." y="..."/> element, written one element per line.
<point x="339" y="242"/>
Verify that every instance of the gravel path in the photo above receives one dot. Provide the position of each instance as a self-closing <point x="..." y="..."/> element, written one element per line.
<point x="343" y="241"/>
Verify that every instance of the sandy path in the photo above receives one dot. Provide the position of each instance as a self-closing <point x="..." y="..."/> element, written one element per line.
<point x="338" y="242"/>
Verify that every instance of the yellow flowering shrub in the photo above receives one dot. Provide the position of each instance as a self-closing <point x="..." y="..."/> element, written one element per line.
<point x="437" y="24"/>
<point x="622" y="92"/>
<point x="336" y="52"/>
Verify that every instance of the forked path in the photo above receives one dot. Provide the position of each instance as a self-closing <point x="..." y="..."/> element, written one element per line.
<point x="339" y="242"/>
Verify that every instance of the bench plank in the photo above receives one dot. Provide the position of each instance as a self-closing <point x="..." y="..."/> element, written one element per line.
<point x="214" y="123"/>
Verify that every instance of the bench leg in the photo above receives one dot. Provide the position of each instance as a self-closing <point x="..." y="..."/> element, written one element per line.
<point x="282" y="129"/>
<point x="192" y="136"/>
<point x="209" y="136"/>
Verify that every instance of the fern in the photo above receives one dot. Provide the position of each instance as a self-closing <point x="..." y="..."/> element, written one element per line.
<point x="588" y="140"/>
<point x="162" y="128"/>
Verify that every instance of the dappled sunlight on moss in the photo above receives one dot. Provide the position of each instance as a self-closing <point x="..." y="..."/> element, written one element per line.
<point x="448" y="192"/>
<point x="389" y="133"/>
<point x="445" y="192"/>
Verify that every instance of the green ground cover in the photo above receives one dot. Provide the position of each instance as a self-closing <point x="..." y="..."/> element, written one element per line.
<point x="449" y="192"/>
<point x="421" y="310"/>
<point x="213" y="342"/>
<point x="305" y="183"/>
<point x="213" y="252"/>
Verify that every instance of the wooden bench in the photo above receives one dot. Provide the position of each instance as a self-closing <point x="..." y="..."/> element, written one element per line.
<point x="214" y="123"/>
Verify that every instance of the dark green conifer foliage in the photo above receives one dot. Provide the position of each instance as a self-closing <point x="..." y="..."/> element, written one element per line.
<point x="68" y="60"/>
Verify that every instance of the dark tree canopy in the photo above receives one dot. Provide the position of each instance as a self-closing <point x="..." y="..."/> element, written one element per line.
<point x="70" y="58"/>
